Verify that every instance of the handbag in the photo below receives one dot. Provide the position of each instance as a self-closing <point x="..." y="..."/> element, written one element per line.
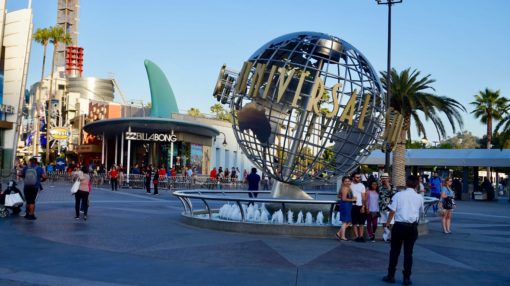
<point x="448" y="203"/>
<point x="75" y="187"/>
<point x="13" y="200"/>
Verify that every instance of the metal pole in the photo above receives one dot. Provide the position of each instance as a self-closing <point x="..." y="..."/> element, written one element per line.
<point x="116" y="148"/>
<point x="106" y="152"/>
<point x="172" y="153"/>
<point x="129" y="156"/>
<point x="102" y="150"/>
<point x="122" y="149"/>
<point x="388" y="81"/>
<point x="388" y="92"/>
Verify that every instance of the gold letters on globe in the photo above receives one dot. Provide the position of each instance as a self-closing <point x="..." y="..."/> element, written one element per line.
<point x="391" y="134"/>
<point x="286" y="76"/>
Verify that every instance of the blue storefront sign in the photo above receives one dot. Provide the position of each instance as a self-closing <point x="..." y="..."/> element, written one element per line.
<point x="61" y="164"/>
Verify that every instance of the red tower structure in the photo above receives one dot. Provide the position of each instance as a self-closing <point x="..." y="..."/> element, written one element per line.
<point x="74" y="61"/>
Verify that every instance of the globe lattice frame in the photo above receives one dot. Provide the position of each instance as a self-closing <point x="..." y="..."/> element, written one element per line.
<point x="306" y="108"/>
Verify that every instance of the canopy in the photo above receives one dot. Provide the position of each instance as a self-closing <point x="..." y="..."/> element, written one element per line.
<point x="448" y="157"/>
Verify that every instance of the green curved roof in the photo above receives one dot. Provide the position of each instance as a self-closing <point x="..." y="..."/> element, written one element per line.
<point x="162" y="96"/>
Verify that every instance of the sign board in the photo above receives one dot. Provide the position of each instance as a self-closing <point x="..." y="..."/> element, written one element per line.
<point x="59" y="133"/>
<point x="88" y="148"/>
<point x="8" y="109"/>
<point x="154" y="137"/>
<point x="61" y="164"/>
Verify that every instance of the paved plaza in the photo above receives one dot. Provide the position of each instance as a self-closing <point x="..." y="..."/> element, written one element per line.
<point x="132" y="238"/>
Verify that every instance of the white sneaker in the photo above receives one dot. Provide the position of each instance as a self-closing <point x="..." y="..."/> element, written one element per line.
<point x="387" y="234"/>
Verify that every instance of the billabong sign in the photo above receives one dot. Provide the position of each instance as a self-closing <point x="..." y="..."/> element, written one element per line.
<point x="156" y="137"/>
<point x="59" y="133"/>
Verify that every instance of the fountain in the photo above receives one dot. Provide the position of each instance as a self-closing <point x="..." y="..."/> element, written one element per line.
<point x="306" y="108"/>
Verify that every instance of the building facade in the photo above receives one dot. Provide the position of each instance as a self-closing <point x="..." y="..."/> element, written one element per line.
<point x="15" y="42"/>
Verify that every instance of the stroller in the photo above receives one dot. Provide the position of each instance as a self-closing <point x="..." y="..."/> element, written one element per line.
<point x="15" y="210"/>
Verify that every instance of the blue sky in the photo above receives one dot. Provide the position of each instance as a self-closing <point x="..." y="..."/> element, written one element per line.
<point x="464" y="45"/>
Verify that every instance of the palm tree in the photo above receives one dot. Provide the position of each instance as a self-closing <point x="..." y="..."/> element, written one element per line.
<point x="195" y="112"/>
<point x="503" y="128"/>
<point x="489" y="106"/>
<point x="412" y="99"/>
<point x="220" y="112"/>
<point x="57" y="35"/>
<point x="41" y="36"/>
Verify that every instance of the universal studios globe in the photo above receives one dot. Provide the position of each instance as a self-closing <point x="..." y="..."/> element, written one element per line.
<point x="305" y="109"/>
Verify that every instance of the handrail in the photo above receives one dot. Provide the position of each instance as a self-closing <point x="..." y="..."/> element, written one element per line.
<point x="202" y="195"/>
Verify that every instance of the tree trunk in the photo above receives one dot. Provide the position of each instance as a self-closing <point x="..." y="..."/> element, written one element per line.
<point x="489" y="130"/>
<point x="399" y="158"/>
<point x="489" y="140"/>
<point x="50" y="97"/>
<point x="37" y="101"/>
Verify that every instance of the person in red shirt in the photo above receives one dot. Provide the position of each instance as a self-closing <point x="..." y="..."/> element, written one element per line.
<point x="212" y="177"/>
<point x="162" y="171"/>
<point x="114" y="175"/>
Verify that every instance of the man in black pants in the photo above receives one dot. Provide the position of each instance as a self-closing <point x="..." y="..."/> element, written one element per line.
<point x="406" y="207"/>
<point x="253" y="180"/>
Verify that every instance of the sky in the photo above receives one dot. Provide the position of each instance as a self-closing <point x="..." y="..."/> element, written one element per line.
<point x="463" y="45"/>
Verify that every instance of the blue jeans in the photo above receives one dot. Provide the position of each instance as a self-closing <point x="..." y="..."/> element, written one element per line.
<point x="435" y="195"/>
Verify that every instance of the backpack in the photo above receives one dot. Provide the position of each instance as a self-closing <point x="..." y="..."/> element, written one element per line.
<point x="30" y="177"/>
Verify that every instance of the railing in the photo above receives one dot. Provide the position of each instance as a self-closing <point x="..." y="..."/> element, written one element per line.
<point x="186" y="196"/>
<point x="226" y="196"/>
<point x="137" y="181"/>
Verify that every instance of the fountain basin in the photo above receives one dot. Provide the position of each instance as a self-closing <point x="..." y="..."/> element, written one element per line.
<point x="209" y="217"/>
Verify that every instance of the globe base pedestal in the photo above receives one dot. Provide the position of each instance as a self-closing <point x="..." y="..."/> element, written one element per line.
<point x="287" y="191"/>
<point x="282" y="190"/>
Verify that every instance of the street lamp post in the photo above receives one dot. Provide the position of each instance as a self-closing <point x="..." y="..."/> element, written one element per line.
<point x="224" y="140"/>
<point x="388" y="79"/>
<point x="424" y="141"/>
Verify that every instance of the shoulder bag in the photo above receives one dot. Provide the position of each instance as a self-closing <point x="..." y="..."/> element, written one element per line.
<point x="13" y="200"/>
<point x="75" y="187"/>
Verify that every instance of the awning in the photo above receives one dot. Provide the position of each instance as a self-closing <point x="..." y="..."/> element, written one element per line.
<point x="114" y="127"/>
<point x="448" y="157"/>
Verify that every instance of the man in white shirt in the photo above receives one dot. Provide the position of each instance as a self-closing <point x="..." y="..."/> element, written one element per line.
<point x="359" y="212"/>
<point x="406" y="207"/>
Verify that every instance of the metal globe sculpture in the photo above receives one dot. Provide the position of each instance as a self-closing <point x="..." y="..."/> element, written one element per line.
<point x="305" y="107"/>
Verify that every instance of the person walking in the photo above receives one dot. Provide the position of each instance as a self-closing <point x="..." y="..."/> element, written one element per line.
<point x="448" y="203"/>
<point x="435" y="189"/>
<point x="32" y="175"/>
<point x="212" y="178"/>
<point x="147" y="172"/>
<point x="373" y="209"/>
<point x="81" y="197"/>
<point x="155" y="181"/>
<point x="405" y="207"/>
<point x="421" y="187"/>
<point x="114" y="176"/>
<point x="359" y="207"/>
<point x="346" y="199"/>
<point x="386" y="192"/>
<point x="253" y="180"/>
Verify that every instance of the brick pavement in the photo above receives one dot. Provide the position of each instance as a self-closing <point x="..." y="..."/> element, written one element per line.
<point x="137" y="239"/>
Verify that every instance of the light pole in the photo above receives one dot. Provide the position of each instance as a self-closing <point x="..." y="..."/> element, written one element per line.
<point x="388" y="79"/>
<point x="224" y="140"/>
<point x="424" y="141"/>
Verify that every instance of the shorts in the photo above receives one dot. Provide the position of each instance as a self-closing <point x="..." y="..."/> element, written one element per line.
<point x="30" y="194"/>
<point x="358" y="218"/>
